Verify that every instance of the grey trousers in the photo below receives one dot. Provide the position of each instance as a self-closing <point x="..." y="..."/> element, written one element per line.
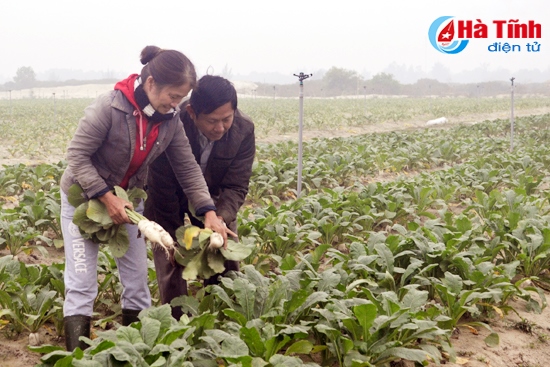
<point x="80" y="276"/>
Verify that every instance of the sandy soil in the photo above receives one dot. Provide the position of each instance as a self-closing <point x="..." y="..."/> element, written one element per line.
<point x="524" y="342"/>
<point x="524" y="339"/>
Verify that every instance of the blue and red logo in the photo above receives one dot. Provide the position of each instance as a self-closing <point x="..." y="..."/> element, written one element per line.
<point x="442" y="36"/>
<point x="451" y="36"/>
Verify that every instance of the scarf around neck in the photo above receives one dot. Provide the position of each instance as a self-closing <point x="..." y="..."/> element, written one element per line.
<point x="132" y="89"/>
<point x="143" y="102"/>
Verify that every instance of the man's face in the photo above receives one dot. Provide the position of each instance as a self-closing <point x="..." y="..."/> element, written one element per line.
<point x="214" y="125"/>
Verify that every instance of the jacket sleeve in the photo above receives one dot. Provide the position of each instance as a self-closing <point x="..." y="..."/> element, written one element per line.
<point x="90" y="134"/>
<point x="188" y="172"/>
<point x="234" y="186"/>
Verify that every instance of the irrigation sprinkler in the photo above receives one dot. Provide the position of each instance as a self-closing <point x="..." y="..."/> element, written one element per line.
<point x="10" y="104"/>
<point x="512" y="115"/>
<point x="301" y="78"/>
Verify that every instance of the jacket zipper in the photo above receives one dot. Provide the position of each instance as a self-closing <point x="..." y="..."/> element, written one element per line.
<point x="143" y="140"/>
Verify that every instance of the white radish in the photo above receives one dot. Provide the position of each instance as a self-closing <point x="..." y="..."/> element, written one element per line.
<point x="156" y="235"/>
<point x="148" y="229"/>
<point x="216" y="241"/>
<point x="166" y="239"/>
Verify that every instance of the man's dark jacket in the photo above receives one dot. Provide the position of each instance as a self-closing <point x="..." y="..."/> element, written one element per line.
<point x="227" y="174"/>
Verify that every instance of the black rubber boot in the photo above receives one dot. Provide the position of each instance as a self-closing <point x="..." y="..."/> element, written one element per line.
<point x="75" y="327"/>
<point x="129" y="316"/>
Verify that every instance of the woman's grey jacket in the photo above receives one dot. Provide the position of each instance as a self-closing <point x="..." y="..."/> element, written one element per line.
<point x="104" y="142"/>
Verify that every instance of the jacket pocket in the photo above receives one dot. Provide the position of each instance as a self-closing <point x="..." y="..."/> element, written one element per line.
<point x="105" y="174"/>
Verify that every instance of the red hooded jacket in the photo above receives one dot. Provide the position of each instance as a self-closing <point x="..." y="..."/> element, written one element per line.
<point x="143" y="145"/>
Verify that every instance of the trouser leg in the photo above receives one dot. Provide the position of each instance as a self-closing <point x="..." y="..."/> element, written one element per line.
<point x="170" y="282"/>
<point x="132" y="269"/>
<point x="80" y="273"/>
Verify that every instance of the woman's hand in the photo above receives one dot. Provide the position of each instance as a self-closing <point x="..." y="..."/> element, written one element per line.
<point x="116" y="207"/>
<point x="216" y="224"/>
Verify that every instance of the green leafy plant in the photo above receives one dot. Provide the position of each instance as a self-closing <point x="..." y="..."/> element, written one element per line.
<point x="94" y="222"/>
<point x="156" y="340"/>
<point x="17" y="236"/>
<point x="456" y="301"/>
<point x="203" y="253"/>
<point x="27" y="299"/>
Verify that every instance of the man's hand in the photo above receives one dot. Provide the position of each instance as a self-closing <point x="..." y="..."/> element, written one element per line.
<point x="116" y="207"/>
<point x="216" y="223"/>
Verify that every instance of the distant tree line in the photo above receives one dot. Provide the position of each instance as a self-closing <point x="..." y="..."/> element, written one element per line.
<point x="25" y="78"/>
<point x="342" y="82"/>
<point x="335" y="82"/>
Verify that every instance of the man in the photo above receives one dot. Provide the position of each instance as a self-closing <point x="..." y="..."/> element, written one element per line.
<point x="222" y="140"/>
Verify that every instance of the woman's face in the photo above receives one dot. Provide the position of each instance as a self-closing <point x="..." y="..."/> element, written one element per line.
<point x="163" y="99"/>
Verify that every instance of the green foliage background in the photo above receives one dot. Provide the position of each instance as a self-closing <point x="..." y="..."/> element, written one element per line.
<point x="397" y="240"/>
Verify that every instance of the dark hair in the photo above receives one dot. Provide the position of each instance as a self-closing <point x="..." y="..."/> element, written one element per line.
<point x="167" y="67"/>
<point x="212" y="92"/>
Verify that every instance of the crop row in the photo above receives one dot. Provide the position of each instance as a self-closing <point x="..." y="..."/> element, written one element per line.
<point x="367" y="267"/>
<point x="41" y="129"/>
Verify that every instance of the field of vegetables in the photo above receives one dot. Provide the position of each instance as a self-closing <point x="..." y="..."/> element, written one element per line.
<point x="400" y="244"/>
<point x="39" y="129"/>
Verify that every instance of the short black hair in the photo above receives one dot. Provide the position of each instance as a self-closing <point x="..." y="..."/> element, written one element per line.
<point x="211" y="92"/>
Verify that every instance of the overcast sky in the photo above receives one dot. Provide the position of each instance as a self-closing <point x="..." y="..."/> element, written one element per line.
<point x="257" y="36"/>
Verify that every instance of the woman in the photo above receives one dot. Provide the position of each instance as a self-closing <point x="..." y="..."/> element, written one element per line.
<point x="120" y="134"/>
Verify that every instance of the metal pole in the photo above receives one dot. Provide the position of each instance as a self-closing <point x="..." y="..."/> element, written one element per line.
<point x="274" y="111"/>
<point x="365" y="88"/>
<point x="300" y="129"/>
<point x="430" y="98"/>
<point x="512" y="116"/>
<point x="301" y="78"/>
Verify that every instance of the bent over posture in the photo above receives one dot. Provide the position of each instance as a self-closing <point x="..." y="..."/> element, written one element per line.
<point x="120" y="134"/>
<point x="223" y="143"/>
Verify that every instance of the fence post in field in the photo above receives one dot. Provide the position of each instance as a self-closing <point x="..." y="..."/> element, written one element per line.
<point x="301" y="78"/>
<point x="512" y="116"/>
